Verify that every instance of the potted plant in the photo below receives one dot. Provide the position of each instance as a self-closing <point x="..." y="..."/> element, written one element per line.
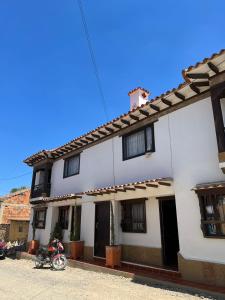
<point x="76" y="245"/>
<point x="113" y="251"/>
<point x="57" y="232"/>
<point x="34" y="244"/>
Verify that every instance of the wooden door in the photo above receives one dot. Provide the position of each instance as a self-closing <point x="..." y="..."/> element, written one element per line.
<point x="102" y="228"/>
<point x="18" y="230"/>
<point x="169" y="231"/>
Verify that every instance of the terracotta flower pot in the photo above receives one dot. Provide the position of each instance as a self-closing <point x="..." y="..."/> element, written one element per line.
<point x="76" y="249"/>
<point x="33" y="247"/>
<point x="113" y="256"/>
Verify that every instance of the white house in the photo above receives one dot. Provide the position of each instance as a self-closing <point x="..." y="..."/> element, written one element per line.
<point x="161" y="164"/>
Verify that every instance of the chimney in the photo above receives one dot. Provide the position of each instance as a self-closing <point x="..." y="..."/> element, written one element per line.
<point x="138" y="97"/>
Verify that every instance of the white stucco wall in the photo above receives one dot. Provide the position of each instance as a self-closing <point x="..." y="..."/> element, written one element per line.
<point x="96" y="165"/>
<point x="194" y="160"/>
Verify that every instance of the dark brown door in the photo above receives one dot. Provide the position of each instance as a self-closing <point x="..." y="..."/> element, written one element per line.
<point x="169" y="231"/>
<point x="102" y="228"/>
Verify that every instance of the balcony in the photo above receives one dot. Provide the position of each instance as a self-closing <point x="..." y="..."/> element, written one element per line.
<point x="41" y="190"/>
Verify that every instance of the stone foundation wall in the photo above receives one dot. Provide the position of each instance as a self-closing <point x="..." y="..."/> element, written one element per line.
<point x="142" y="255"/>
<point x="203" y="272"/>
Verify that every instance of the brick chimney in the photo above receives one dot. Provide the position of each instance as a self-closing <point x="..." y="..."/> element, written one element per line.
<point x="138" y="97"/>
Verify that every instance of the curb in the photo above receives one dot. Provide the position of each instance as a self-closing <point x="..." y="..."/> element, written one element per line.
<point x="135" y="278"/>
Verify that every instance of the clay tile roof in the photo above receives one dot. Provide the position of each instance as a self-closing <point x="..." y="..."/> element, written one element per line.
<point x="56" y="198"/>
<point x="151" y="108"/>
<point x="159" y="181"/>
<point x="209" y="186"/>
<point x="138" y="88"/>
<point x="203" y="62"/>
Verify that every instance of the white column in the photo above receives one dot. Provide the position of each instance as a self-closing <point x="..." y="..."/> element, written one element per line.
<point x="115" y="205"/>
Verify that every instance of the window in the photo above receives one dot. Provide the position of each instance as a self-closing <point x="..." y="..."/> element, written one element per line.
<point x="39" y="177"/>
<point x="64" y="216"/>
<point x="20" y="228"/>
<point x="72" y="166"/>
<point x="133" y="216"/>
<point x="212" y="206"/>
<point x="138" y="143"/>
<point x="39" y="218"/>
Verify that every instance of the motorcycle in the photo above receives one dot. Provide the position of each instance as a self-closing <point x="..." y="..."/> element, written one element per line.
<point x="53" y="255"/>
<point x="2" y="249"/>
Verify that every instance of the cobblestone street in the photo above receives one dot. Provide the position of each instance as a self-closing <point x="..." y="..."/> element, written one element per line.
<point x="20" y="280"/>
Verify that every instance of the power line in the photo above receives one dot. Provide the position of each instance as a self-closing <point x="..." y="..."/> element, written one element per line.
<point x="15" y="177"/>
<point x="87" y="35"/>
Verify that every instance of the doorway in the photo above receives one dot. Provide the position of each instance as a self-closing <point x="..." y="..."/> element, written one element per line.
<point x="169" y="231"/>
<point x="102" y="228"/>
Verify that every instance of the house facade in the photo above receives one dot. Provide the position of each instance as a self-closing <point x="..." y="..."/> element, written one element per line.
<point x="161" y="165"/>
<point x="15" y="211"/>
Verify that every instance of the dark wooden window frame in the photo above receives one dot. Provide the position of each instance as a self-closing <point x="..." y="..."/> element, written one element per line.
<point x="36" y="221"/>
<point x="202" y="194"/>
<point x="62" y="215"/>
<point x="124" y="203"/>
<point x="133" y="132"/>
<point x="66" y="161"/>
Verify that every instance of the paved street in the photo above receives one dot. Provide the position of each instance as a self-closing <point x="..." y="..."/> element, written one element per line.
<point x="20" y="280"/>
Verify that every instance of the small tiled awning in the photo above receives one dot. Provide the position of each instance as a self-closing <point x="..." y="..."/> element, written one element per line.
<point x="139" y="185"/>
<point x="209" y="186"/>
<point x="56" y="198"/>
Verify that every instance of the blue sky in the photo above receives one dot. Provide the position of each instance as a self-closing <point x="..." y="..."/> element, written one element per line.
<point x="48" y="91"/>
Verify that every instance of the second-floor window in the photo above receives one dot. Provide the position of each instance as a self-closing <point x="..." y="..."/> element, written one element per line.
<point x="71" y="166"/>
<point x="138" y="143"/>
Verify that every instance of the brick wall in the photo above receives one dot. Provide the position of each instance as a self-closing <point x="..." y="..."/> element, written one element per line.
<point x="15" y="206"/>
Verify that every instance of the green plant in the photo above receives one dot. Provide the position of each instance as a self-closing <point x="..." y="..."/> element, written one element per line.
<point x="13" y="190"/>
<point x="57" y="232"/>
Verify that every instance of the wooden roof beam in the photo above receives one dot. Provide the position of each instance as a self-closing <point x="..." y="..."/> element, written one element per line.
<point x="78" y="144"/>
<point x="129" y="188"/>
<point x="167" y="102"/>
<point x="120" y="190"/>
<point x="198" y="75"/>
<point x="144" y="112"/>
<point x="141" y="187"/>
<point x="213" y="67"/>
<point x="73" y="146"/>
<point x="89" y="139"/>
<point x="116" y="125"/>
<point x="95" y="135"/>
<point x="202" y="83"/>
<point x="133" y="117"/>
<point x="179" y="95"/>
<point x="126" y="122"/>
<point x="109" y="129"/>
<point x="102" y="132"/>
<point x="155" y="107"/>
<point x="164" y="183"/>
<point x="84" y="141"/>
<point x="194" y="88"/>
<point x="152" y="185"/>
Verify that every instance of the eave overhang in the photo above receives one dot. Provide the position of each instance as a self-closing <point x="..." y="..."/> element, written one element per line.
<point x="196" y="83"/>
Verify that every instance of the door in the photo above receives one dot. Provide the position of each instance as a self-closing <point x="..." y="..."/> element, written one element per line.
<point x="169" y="231"/>
<point x="18" y="230"/>
<point x="102" y="228"/>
